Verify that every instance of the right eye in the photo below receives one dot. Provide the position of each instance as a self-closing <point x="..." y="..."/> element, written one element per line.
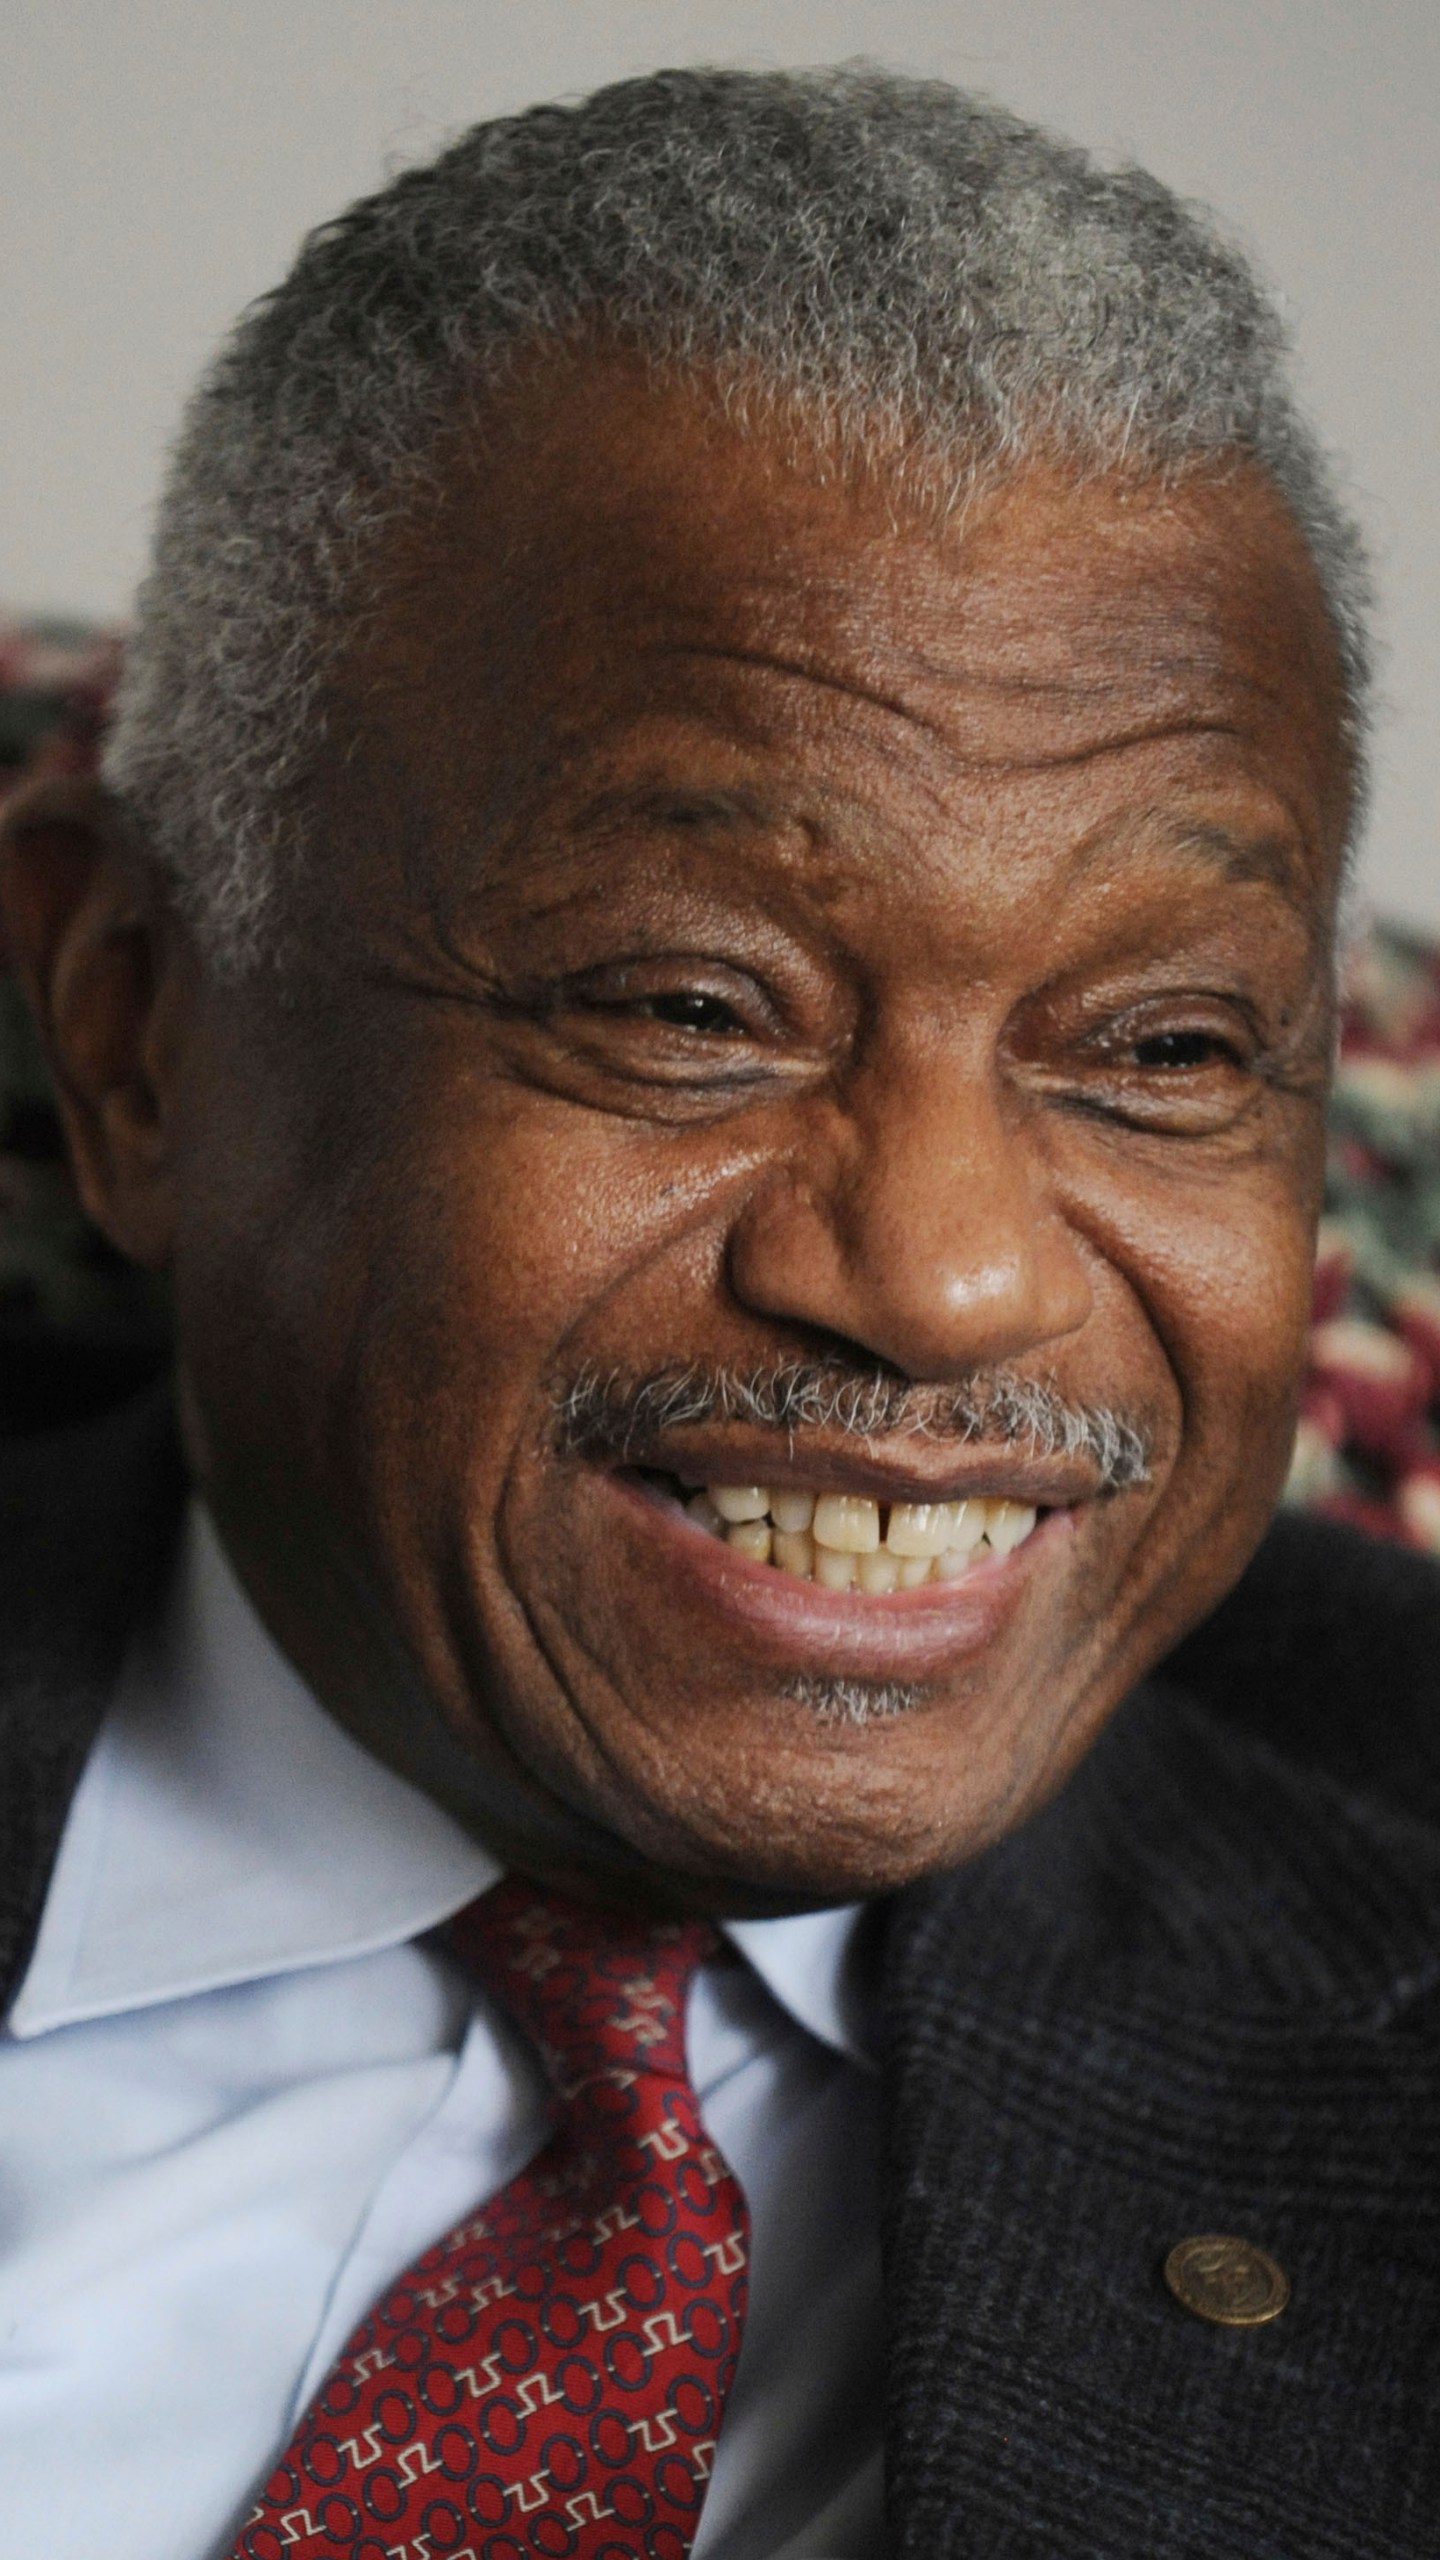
<point x="690" y="1009"/>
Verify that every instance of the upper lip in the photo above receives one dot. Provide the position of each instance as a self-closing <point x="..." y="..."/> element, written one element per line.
<point x="718" y="1454"/>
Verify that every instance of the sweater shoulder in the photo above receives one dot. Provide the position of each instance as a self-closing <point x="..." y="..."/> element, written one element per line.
<point x="1328" y="1650"/>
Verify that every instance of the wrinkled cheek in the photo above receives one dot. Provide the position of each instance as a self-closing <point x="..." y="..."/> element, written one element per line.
<point x="1239" y="1359"/>
<point x="441" y="1340"/>
<point x="1208" y="1300"/>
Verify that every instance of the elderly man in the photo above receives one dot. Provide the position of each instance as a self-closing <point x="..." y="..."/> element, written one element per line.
<point x="709" y="958"/>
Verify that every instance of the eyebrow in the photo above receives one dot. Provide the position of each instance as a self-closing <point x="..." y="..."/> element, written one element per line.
<point x="804" y="670"/>
<point x="1268" y="860"/>
<point x="662" y="807"/>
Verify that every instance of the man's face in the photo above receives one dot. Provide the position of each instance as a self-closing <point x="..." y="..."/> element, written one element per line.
<point x="756" y="933"/>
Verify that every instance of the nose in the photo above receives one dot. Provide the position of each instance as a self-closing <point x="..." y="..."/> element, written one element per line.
<point x="916" y="1221"/>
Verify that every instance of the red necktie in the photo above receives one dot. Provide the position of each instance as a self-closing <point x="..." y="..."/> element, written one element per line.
<point x="550" y="2377"/>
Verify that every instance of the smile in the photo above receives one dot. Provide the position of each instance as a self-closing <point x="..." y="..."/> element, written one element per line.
<point x="851" y="1542"/>
<point x="871" y="1607"/>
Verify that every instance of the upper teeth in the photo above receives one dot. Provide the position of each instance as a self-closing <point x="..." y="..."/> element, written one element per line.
<point x="846" y="1540"/>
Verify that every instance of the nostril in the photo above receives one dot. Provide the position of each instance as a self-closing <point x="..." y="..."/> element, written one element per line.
<point x="930" y="1268"/>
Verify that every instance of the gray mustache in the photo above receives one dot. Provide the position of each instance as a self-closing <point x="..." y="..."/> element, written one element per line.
<point x="609" y="1413"/>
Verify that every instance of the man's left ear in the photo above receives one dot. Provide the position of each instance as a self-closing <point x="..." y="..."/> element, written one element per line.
<point x="108" y="972"/>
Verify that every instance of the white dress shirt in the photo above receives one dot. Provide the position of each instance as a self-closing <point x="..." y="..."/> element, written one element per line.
<point x="241" y="2089"/>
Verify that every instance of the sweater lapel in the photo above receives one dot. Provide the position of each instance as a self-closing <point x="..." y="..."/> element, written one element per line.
<point x="1197" y="1994"/>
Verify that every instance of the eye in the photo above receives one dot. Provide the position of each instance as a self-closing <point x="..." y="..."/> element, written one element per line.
<point x="1189" y="1064"/>
<point x="1176" y="1050"/>
<point x="682" y="1022"/>
<point x="692" y="1009"/>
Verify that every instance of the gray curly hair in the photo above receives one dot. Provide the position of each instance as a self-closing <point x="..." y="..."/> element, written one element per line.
<point x="907" y="267"/>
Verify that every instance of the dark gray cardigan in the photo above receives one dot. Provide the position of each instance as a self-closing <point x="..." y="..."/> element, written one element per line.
<point x="1201" y="1992"/>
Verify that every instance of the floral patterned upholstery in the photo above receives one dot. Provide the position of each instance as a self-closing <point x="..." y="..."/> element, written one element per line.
<point x="1368" y="1447"/>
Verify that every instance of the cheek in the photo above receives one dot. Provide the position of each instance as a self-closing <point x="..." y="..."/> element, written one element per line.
<point x="481" y="1238"/>
<point x="1220" y="1259"/>
<point x="506" y="1225"/>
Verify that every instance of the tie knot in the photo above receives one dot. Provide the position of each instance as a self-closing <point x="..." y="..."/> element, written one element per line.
<point x="597" y="1991"/>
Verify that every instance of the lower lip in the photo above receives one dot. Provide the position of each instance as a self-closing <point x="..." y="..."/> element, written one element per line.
<point x="910" y="1635"/>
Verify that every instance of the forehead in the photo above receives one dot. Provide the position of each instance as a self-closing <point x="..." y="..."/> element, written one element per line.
<point x="615" y="574"/>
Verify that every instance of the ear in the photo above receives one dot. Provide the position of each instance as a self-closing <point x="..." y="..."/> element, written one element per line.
<point x="109" y="975"/>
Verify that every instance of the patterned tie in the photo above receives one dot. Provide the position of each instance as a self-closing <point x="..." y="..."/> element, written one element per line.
<point x="550" y="2377"/>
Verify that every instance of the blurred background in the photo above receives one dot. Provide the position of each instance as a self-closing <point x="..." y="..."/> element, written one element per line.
<point x="162" y="160"/>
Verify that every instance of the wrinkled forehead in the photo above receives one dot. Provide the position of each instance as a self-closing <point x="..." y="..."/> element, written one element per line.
<point x="609" y="549"/>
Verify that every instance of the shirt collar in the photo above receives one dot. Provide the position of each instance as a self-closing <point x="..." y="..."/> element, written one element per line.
<point x="226" y="1828"/>
<point x="817" y="1964"/>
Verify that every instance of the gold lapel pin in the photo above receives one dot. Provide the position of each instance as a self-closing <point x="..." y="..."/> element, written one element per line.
<point x="1228" y="2280"/>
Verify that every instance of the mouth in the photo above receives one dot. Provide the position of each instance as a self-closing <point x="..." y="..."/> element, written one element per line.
<point x="847" y="1592"/>
<point x="807" y="1512"/>
<point x="856" y="1542"/>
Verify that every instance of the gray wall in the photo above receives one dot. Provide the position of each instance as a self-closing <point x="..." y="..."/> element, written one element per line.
<point x="162" y="157"/>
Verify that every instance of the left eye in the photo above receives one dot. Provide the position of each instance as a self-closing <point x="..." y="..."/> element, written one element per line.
<point x="691" y="1009"/>
<point x="1179" y="1049"/>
